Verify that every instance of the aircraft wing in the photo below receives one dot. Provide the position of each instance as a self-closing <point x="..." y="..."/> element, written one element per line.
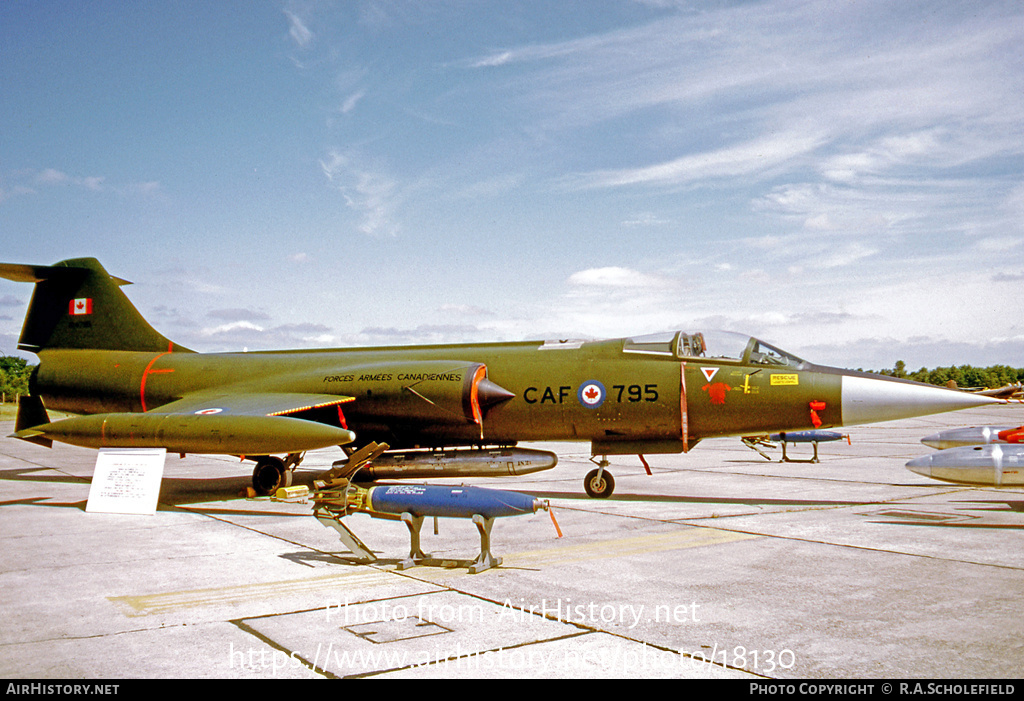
<point x="250" y="403"/>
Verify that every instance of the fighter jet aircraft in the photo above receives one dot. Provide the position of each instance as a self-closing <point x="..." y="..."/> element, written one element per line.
<point x="132" y="387"/>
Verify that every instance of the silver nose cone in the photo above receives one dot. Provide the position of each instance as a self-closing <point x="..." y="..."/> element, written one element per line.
<point x="868" y="399"/>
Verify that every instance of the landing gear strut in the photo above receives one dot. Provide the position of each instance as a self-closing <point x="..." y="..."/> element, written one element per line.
<point x="599" y="483"/>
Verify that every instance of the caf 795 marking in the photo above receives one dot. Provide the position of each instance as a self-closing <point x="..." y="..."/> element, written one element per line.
<point x="443" y="409"/>
<point x="558" y="395"/>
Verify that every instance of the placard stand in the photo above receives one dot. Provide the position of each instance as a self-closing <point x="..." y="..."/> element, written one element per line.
<point x="127" y="481"/>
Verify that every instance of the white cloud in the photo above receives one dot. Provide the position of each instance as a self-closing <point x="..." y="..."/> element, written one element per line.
<point x="231" y="328"/>
<point x="372" y="195"/>
<point x="470" y="310"/>
<point x="846" y="255"/>
<point x="30" y="182"/>
<point x="748" y="158"/>
<point x="52" y="176"/>
<point x="499" y="59"/>
<point x="646" y="219"/>
<point x="298" y="31"/>
<point x="351" y="101"/>
<point x="238" y="314"/>
<point x="613" y="277"/>
<point x="1001" y="244"/>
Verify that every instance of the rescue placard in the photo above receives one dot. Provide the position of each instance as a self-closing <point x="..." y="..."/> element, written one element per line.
<point x="785" y="380"/>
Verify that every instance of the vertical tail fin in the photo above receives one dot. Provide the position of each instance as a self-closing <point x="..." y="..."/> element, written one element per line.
<point x="77" y="304"/>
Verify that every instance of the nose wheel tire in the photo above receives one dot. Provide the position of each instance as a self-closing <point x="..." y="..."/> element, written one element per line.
<point x="269" y="475"/>
<point x="599" y="483"/>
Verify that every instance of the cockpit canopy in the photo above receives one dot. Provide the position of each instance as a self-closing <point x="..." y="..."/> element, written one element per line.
<point x="716" y="345"/>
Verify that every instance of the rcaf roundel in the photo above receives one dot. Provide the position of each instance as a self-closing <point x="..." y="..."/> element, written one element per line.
<point x="591" y="394"/>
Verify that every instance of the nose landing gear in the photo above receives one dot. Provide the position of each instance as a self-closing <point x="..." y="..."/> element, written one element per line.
<point x="599" y="483"/>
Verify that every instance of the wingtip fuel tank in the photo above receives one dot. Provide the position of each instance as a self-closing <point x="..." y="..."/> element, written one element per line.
<point x="225" y="434"/>
<point x="975" y="435"/>
<point x="978" y="455"/>
<point x="992" y="465"/>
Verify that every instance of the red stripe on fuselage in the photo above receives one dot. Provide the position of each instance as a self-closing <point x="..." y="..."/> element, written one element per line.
<point x="146" y="373"/>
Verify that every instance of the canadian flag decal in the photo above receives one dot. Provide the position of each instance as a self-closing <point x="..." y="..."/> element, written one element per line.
<point x="80" y="307"/>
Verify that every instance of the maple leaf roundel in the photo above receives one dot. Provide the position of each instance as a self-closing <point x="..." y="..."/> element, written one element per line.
<point x="591" y="394"/>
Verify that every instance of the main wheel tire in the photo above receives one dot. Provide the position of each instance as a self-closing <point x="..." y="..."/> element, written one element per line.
<point x="269" y="475"/>
<point x="599" y="487"/>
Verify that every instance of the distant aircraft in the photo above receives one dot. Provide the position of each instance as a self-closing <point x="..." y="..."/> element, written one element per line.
<point x="980" y="455"/>
<point x="132" y="387"/>
<point x="1010" y="391"/>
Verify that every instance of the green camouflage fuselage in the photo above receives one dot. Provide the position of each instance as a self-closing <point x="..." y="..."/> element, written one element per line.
<point x="135" y="388"/>
<point x="621" y="401"/>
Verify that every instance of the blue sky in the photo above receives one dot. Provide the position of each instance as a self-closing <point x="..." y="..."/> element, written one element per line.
<point x="843" y="179"/>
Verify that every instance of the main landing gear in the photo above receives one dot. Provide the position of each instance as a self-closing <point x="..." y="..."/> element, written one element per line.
<point x="599" y="483"/>
<point x="272" y="473"/>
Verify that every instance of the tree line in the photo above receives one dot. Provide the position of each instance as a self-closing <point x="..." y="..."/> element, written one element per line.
<point x="964" y="375"/>
<point x="14" y="374"/>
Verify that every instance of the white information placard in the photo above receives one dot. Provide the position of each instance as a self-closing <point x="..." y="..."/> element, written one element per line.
<point x="127" y="481"/>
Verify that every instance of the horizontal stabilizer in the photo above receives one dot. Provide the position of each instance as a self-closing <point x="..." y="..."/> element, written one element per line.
<point x="19" y="272"/>
<point x="33" y="435"/>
